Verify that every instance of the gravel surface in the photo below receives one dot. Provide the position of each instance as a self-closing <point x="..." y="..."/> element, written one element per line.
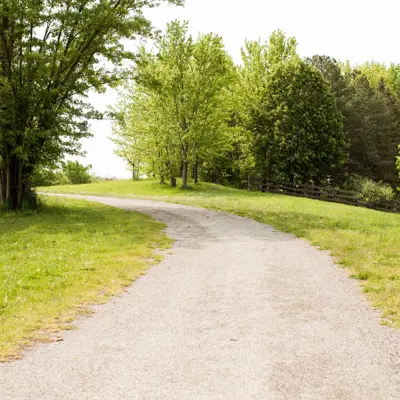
<point x="237" y="311"/>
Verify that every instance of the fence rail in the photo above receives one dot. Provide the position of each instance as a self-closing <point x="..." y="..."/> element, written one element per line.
<point x="324" y="193"/>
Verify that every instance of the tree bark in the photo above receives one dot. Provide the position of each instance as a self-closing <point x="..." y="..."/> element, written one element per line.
<point x="185" y="175"/>
<point x="196" y="173"/>
<point x="3" y="185"/>
<point x="135" y="171"/>
<point x="13" y="188"/>
<point x="14" y="183"/>
<point x="173" y="181"/>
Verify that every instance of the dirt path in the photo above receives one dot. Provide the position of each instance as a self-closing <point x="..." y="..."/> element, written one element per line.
<point x="237" y="311"/>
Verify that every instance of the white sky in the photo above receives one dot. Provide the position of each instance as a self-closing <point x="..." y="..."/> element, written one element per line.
<point x="357" y="30"/>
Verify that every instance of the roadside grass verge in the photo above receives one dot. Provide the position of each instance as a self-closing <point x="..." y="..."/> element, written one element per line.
<point x="366" y="242"/>
<point x="57" y="261"/>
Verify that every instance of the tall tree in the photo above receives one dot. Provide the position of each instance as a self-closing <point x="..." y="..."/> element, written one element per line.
<point x="298" y="128"/>
<point x="51" y="53"/>
<point x="183" y="86"/>
<point x="371" y="118"/>
<point x="258" y="59"/>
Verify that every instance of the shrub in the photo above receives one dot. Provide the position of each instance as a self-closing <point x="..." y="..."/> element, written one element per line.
<point x="32" y="201"/>
<point x="371" y="193"/>
<point x="77" y="173"/>
<point x="48" y="177"/>
<point x="70" y="173"/>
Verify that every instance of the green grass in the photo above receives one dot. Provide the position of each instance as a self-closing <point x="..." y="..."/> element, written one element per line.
<point x="56" y="261"/>
<point x="366" y="242"/>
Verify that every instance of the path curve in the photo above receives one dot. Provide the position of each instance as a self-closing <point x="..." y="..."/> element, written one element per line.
<point x="237" y="311"/>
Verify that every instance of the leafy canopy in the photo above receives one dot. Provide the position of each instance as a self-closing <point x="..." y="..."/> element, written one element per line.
<point x="52" y="52"/>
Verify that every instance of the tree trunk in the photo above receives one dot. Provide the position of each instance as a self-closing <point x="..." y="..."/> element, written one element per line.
<point x="162" y="180"/>
<point x="3" y="185"/>
<point x="135" y="172"/>
<point x="181" y="170"/>
<point x="173" y="181"/>
<point x="185" y="175"/>
<point x="196" y="173"/>
<point x="13" y="183"/>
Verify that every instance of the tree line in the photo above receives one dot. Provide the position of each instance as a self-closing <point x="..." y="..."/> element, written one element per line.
<point x="190" y="112"/>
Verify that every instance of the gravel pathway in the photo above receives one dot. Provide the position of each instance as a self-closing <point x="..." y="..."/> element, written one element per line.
<point x="237" y="311"/>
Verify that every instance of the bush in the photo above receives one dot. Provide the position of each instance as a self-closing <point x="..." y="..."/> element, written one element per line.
<point x="70" y="173"/>
<point x="48" y="177"/>
<point x="32" y="201"/>
<point x="76" y="173"/>
<point x="371" y="193"/>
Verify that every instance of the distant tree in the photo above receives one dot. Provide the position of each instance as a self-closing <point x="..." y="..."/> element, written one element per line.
<point x="371" y="118"/>
<point x="377" y="72"/>
<point x="76" y="173"/>
<point x="128" y="131"/>
<point x="332" y="72"/>
<point x="298" y="128"/>
<point x="258" y="59"/>
<point x="66" y="173"/>
<point x="175" y="114"/>
<point x="373" y="126"/>
<point x="48" y="176"/>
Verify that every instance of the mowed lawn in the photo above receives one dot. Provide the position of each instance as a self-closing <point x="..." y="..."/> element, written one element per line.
<point x="56" y="261"/>
<point x="366" y="242"/>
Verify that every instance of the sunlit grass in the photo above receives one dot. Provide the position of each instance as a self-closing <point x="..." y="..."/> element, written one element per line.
<point x="69" y="254"/>
<point x="366" y="242"/>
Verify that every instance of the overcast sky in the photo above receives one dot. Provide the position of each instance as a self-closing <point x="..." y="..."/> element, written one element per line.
<point x="355" y="30"/>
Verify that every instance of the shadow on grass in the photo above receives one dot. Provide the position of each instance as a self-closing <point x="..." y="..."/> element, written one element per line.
<point x="56" y="218"/>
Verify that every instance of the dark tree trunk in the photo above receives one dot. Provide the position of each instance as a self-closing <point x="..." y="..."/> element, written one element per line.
<point x="3" y="185"/>
<point x="173" y="181"/>
<point x="181" y="170"/>
<point x="14" y="183"/>
<point x="185" y="175"/>
<point x="196" y="173"/>
<point x="27" y="180"/>
<point x="162" y="180"/>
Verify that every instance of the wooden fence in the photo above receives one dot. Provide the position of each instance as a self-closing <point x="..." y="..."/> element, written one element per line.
<point x="324" y="193"/>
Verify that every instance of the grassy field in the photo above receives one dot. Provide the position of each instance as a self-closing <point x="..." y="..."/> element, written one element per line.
<point x="56" y="261"/>
<point x="366" y="242"/>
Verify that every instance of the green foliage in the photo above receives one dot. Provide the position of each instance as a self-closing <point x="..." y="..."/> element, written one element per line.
<point x="76" y="173"/>
<point x="191" y="110"/>
<point x="69" y="173"/>
<point x="249" y="93"/>
<point x="174" y="116"/>
<point x="48" y="177"/>
<point x="371" y="118"/>
<point x="297" y="128"/>
<point x="371" y="193"/>
<point x="374" y="129"/>
<point x="378" y="72"/>
<point x="52" y="53"/>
